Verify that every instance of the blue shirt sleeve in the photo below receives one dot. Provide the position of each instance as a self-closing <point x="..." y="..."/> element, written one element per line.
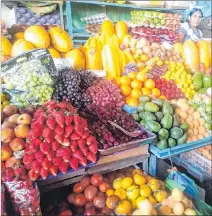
<point x="182" y="30"/>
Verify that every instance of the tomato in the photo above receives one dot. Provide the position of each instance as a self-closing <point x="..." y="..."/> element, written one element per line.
<point x="106" y="211"/>
<point x="90" y="192"/>
<point x="112" y="201"/>
<point x="96" y="179"/>
<point x="71" y="198"/>
<point x="80" y="200"/>
<point x="78" y="188"/>
<point x="104" y="187"/>
<point x="90" y="211"/>
<point x="85" y="181"/>
<point x="99" y="202"/>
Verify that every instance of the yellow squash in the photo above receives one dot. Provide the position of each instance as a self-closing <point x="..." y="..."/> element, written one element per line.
<point x="107" y="28"/>
<point x="110" y="60"/>
<point x="77" y="57"/>
<point x="204" y="53"/>
<point x="121" y="29"/>
<point x="191" y="55"/>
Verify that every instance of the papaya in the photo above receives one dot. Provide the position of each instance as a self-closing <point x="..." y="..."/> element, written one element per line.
<point x="121" y="30"/>
<point x="140" y="107"/>
<point x="166" y="121"/>
<point x="144" y="99"/>
<point x="6" y="46"/>
<point x="162" y="144"/>
<point x="183" y="139"/>
<point x="54" y="53"/>
<point x="176" y="120"/>
<point x="142" y="114"/>
<point x="176" y="133"/>
<point x="151" y="107"/>
<point x="38" y="36"/>
<point x="163" y="134"/>
<point x="149" y="116"/>
<point x="184" y="127"/>
<point x="197" y="81"/>
<point x="136" y="116"/>
<point x="77" y="57"/>
<point x="158" y="102"/>
<point x="60" y="39"/>
<point x="167" y="108"/>
<point x="153" y="126"/>
<point x="107" y="27"/>
<point x="171" y="142"/>
<point x="21" y="46"/>
<point x="204" y="53"/>
<point x="159" y="116"/>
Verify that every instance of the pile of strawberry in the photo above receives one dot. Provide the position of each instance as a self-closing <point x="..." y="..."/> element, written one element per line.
<point x="58" y="140"/>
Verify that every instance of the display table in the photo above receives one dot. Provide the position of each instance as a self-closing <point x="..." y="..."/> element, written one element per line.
<point x="105" y="164"/>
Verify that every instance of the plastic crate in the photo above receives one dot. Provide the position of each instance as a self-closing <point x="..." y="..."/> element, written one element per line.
<point x="129" y="109"/>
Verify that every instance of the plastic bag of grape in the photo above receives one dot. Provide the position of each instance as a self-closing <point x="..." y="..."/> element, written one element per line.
<point x="29" y="78"/>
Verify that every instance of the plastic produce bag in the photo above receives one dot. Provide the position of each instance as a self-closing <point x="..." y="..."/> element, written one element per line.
<point x="24" y="195"/>
<point x="29" y="78"/>
<point x="3" y="203"/>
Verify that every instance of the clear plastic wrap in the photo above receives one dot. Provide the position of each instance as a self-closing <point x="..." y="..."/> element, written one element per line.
<point x="3" y="203"/>
<point x="24" y="194"/>
<point x="29" y="78"/>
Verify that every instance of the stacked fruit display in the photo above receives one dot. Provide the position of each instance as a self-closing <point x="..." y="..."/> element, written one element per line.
<point x="25" y="196"/>
<point x="5" y="100"/>
<point x="89" y="196"/>
<point x="58" y="140"/>
<point x="159" y="117"/>
<point x="130" y="188"/>
<point x="191" y="117"/>
<point x="106" y="134"/>
<point x="136" y="84"/>
<point x="14" y="131"/>
<point x="177" y="204"/>
<point x="203" y="104"/>
<point x="182" y="78"/>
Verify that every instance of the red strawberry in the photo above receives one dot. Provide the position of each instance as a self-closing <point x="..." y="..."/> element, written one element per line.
<point x="66" y="142"/>
<point x="36" y="142"/>
<point x="85" y="135"/>
<point x="76" y="119"/>
<point x="77" y="154"/>
<point x="46" y="164"/>
<point x="84" y="151"/>
<point x="36" y="132"/>
<point x="32" y="175"/>
<point x="53" y="170"/>
<point x="79" y="130"/>
<point x="73" y="146"/>
<point x="83" y="161"/>
<point x="59" y="152"/>
<point x="19" y="171"/>
<point x="90" y="140"/>
<point x="71" y="109"/>
<point x="63" y="167"/>
<point x="74" y="136"/>
<point x="46" y="132"/>
<point x="30" y="149"/>
<point x="39" y="112"/>
<point x="44" y="173"/>
<point x="36" y="166"/>
<point x="28" y="158"/>
<point x="66" y="158"/>
<point x="74" y="163"/>
<point x="50" y="155"/>
<point x="50" y="122"/>
<point x="39" y="156"/>
<point x="45" y="147"/>
<point x="93" y="148"/>
<point x="49" y="139"/>
<point x="81" y="143"/>
<point x="39" y="120"/>
<point x="84" y="123"/>
<point x="55" y="146"/>
<point x="59" y="138"/>
<point x="57" y="161"/>
<point x="68" y="120"/>
<point x="91" y="157"/>
<point x="63" y="151"/>
<point x="51" y="106"/>
<point x="68" y="130"/>
<point x="59" y="118"/>
<point x="59" y="130"/>
<point x="61" y="105"/>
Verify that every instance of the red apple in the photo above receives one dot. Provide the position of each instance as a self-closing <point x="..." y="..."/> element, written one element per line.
<point x="14" y="118"/>
<point x="22" y="131"/>
<point x="17" y="144"/>
<point x="24" y="119"/>
<point x="8" y="125"/>
<point x="6" y="153"/>
<point x="7" y="135"/>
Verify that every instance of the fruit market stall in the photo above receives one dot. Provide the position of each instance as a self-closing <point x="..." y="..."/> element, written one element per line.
<point x="127" y="96"/>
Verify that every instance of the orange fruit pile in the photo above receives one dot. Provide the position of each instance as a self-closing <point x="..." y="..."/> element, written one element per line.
<point x="134" y="85"/>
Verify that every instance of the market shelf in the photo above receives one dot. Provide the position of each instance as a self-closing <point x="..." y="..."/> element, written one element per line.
<point x="105" y="164"/>
<point x="180" y="148"/>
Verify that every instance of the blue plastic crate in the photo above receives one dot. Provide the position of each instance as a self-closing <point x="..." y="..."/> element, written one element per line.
<point x="129" y="109"/>
<point x="180" y="148"/>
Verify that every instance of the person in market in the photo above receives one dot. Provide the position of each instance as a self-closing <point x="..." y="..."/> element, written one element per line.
<point x="189" y="29"/>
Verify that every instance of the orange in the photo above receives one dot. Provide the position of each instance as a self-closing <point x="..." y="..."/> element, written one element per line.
<point x="141" y="76"/>
<point x="110" y="192"/>
<point x="124" y="207"/>
<point x="132" y="102"/>
<point x="126" y="90"/>
<point x="145" y="191"/>
<point x="156" y="92"/>
<point x="145" y="91"/>
<point x="149" y="83"/>
<point x="136" y="93"/>
<point x="144" y="58"/>
<point x="163" y="97"/>
<point x="127" y="99"/>
<point x="124" y="80"/>
<point x="136" y="171"/>
<point x="121" y="193"/>
<point x="132" y="75"/>
<point x="136" y="84"/>
<point x="139" y="179"/>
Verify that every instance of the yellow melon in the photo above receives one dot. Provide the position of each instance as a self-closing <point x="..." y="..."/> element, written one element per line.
<point x="21" y="46"/>
<point x="6" y="46"/>
<point x="60" y="39"/>
<point x="77" y="58"/>
<point x="38" y="36"/>
<point x="54" y="53"/>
